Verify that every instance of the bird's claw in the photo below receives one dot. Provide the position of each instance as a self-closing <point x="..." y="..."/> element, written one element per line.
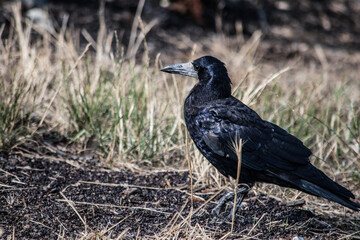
<point x="241" y="193"/>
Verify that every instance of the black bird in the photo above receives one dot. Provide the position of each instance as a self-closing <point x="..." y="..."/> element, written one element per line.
<point x="215" y="120"/>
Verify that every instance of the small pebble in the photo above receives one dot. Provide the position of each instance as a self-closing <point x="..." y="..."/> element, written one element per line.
<point x="298" y="238"/>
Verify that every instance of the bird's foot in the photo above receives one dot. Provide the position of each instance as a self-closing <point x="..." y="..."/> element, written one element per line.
<point x="241" y="193"/>
<point x="221" y="204"/>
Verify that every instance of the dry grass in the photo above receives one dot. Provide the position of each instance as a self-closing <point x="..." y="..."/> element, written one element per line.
<point x="132" y="113"/>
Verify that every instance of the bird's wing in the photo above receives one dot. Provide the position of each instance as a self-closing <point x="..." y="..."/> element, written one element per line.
<point x="267" y="148"/>
<point x="265" y="145"/>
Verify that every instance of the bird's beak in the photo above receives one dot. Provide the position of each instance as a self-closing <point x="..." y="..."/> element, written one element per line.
<point x="186" y="69"/>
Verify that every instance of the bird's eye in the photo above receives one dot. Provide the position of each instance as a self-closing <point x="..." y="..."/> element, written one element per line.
<point x="196" y="67"/>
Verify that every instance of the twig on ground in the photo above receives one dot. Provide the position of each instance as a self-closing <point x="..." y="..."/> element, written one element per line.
<point x="71" y="204"/>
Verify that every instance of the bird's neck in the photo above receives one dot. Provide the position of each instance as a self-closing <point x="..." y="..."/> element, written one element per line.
<point x="204" y="93"/>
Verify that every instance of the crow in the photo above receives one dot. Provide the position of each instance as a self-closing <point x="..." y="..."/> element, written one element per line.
<point x="215" y="120"/>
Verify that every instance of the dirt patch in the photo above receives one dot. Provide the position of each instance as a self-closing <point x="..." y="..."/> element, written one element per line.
<point x="46" y="198"/>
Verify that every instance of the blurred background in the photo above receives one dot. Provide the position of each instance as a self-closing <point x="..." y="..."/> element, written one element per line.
<point x="290" y="28"/>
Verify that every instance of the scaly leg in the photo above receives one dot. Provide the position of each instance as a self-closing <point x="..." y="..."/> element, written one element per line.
<point x="241" y="193"/>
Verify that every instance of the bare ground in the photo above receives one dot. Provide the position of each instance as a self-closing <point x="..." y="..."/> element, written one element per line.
<point x="46" y="197"/>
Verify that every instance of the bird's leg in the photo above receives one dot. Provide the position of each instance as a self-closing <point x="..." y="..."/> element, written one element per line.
<point x="216" y="210"/>
<point x="241" y="193"/>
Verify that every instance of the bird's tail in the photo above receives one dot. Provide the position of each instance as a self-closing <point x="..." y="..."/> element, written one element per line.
<point x="316" y="190"/>
<point x="313" y="181"/>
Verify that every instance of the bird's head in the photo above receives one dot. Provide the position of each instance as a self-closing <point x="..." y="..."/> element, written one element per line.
<point x="214" y="82"/>
<point x="205" y="69"/>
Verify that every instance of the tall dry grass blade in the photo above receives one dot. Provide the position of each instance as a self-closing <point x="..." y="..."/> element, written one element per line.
<point x="23" y="39"/>
<point x="130" y="50"/>
<point x="190" y="173"/>
<point x="238" y="149"/>
<point x="255" y="93"/>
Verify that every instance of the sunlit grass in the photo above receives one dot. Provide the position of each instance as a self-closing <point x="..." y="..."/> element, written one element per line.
<point x="17" y="103"/>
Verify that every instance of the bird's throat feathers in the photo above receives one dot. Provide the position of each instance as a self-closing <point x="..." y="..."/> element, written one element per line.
<point x="217" y="87"/>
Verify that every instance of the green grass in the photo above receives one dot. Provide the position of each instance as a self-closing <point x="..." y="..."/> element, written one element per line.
<point x="115" y="110"/>
<point x="17" y="103"/>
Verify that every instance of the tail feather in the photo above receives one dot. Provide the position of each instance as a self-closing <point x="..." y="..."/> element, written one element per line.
<point x="313" y="181"/>
<point x="313" y="175"/>
<point x="321" y="192"/>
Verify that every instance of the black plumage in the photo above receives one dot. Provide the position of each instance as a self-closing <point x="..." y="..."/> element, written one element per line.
<point x="215" y="120"/>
